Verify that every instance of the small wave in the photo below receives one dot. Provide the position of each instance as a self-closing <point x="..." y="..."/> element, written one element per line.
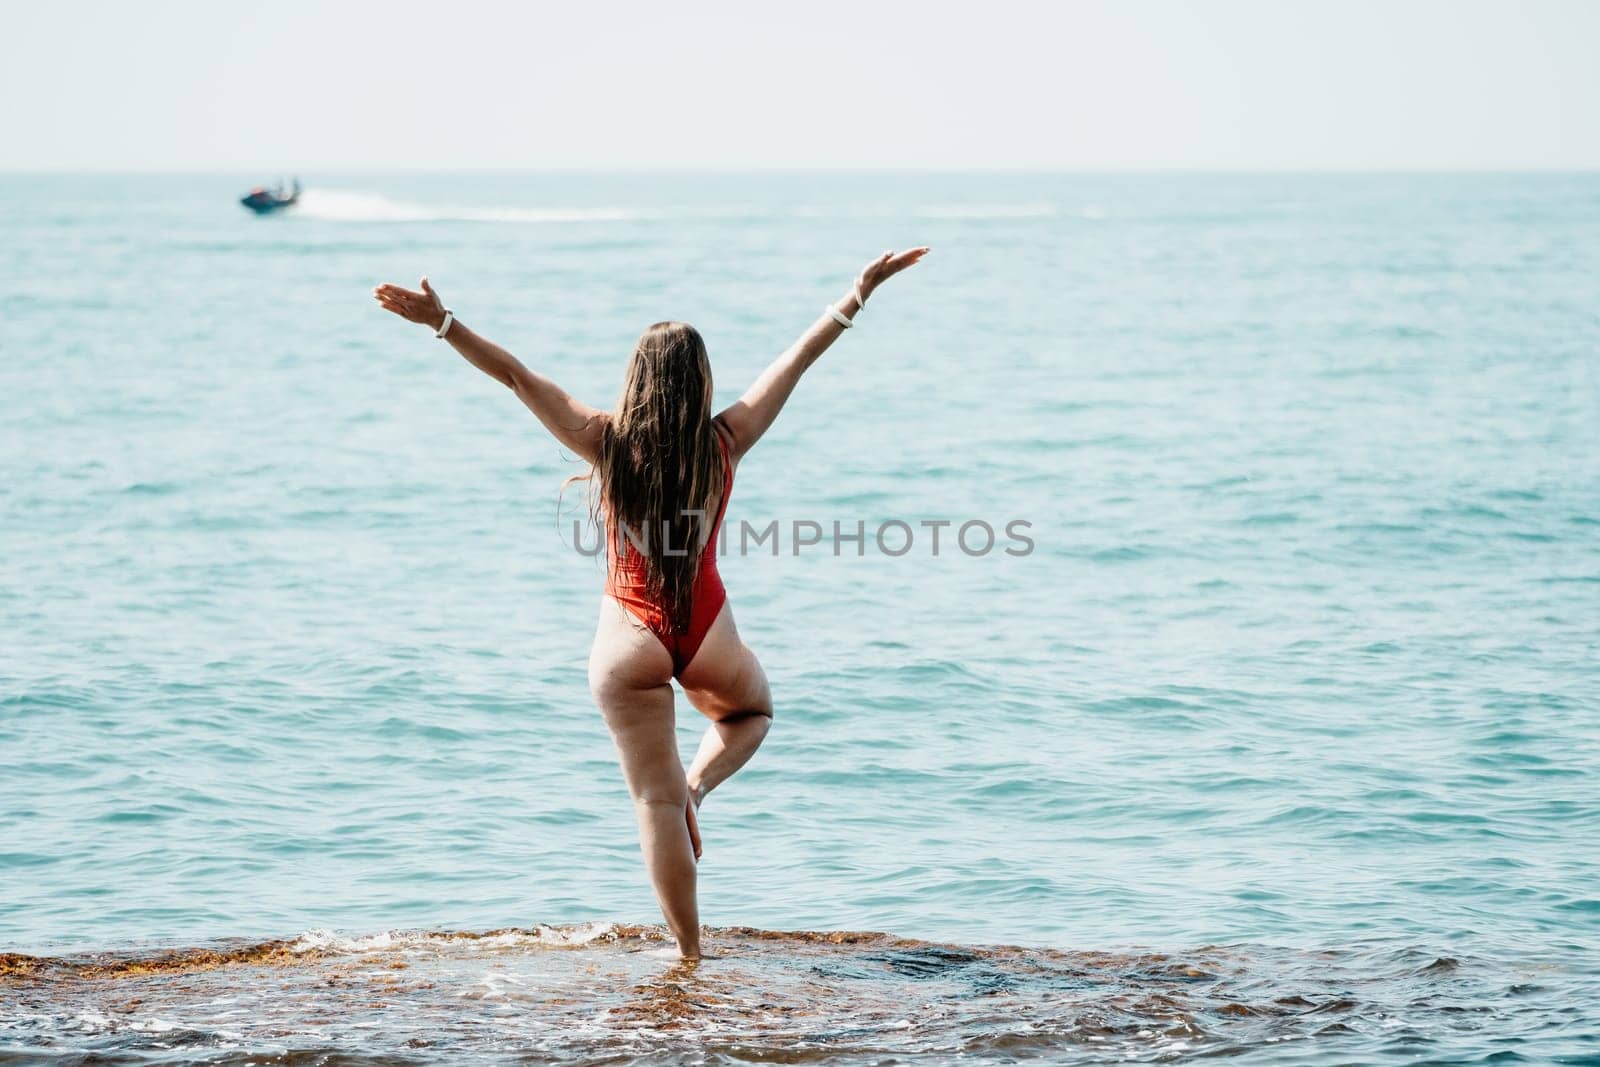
<point x="340" y="205"/>
<point x="311" y="946"/>
<point x="327" y="942"/>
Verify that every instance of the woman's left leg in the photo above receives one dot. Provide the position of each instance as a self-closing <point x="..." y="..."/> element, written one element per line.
<point x="630" y="676"/>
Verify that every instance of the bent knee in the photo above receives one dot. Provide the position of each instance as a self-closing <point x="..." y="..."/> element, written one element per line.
<point x="738" y="714"/>
<point x="760" y="701"/>
<point x="718" y="712"/>
<point x="734" y="702"/>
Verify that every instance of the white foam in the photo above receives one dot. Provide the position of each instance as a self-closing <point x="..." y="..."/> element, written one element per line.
<point x="343" y="205"/>
<point x="153" y="1025"/>
<point x="349" y="205"/>
<point x="581" y="935"/>
<point x="322" y="940"/>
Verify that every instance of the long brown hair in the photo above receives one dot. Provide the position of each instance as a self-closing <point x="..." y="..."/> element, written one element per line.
<point x="659" y="458"/>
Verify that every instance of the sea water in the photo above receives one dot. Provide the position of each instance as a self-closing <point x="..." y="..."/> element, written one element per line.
<point x="1272" y="732"/>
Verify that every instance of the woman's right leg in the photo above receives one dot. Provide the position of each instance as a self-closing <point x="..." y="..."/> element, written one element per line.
<point x="726" y="684"/>
<point x="630" y="676"/>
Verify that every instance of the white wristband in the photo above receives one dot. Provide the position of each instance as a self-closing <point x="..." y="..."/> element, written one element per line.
<point x="444" y="327"/>
<point x="838" y="316"/>
<point x="861" y="301"/>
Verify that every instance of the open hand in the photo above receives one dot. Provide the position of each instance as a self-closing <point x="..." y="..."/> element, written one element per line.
<point x="424" y="307"/>
<point x="885" y="267"/>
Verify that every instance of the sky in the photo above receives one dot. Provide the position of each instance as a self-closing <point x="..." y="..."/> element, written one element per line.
<point x="285" y="85"/>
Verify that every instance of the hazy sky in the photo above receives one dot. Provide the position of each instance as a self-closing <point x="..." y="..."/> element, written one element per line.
<point x="1232" y="84"/>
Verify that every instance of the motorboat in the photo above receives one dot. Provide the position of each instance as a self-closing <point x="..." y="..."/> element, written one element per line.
<point x="264" y="201"/>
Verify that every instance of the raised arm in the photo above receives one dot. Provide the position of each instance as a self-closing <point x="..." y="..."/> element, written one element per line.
<point x="749" y="417"/>
<point x="574" y="423"/>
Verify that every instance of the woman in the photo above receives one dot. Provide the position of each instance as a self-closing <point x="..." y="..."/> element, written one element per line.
<point x="666" y="467"/>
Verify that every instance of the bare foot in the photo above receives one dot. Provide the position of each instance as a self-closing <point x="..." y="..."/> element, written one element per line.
<point x="694" y="823"/>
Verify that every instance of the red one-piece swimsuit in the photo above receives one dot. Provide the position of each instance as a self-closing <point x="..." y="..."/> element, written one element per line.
<point x="626" y="575"/>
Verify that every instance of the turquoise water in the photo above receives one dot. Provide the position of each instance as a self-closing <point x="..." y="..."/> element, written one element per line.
<point x="1304" y="661"/>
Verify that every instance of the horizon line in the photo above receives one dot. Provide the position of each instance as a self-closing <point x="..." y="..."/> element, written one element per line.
<point x="686" y="170"/>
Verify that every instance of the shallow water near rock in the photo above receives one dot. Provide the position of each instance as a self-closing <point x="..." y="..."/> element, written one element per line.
<point x="607" y="994"/>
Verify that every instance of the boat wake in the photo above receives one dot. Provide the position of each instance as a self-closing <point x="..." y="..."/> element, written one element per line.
<point x="349" y="206"/>
<point x="343" y="205"/>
